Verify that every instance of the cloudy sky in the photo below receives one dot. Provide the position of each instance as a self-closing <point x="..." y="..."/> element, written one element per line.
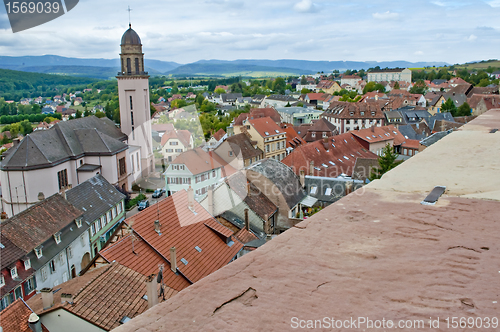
<point x="454" y="31"/>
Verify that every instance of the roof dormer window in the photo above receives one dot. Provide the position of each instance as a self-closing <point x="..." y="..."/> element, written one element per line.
<point x="78" y="222"/>
<point x="13" y="272"/>
<point x="57" y="237"/>
<point x="27" y="264"/>
<point x="38" y="252"/>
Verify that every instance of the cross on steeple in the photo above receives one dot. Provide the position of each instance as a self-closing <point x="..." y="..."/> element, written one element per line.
<point x="129" y="22"/>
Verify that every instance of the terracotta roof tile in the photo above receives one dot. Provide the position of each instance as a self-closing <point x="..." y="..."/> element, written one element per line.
<point x="182" y="135"/>
<point x="266" y="125"/>
<point x="185" y="230"/>
<point x="14" y="318"/>
<point x="245" y="236"/>
<point x="219" y="134"/>
<point x="32" y="227"/>
<point x="293" y="139"/>
<point x="241" y="142"/>
<point x="339" y="157"/>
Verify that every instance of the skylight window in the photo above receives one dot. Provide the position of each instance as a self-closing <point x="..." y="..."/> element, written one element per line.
<point x="317" y="149"/>
<point x="328" y="191"/>
<point x="324" y="165"/>
<point x="346" y="158"/>
<point x="314" y="189"/>
<point x="277" y="131"/>
<point x="125" y="319"/>
<point x="267" y="134"/>
<point x="368" y="137"/>
<point x="331" y="162"/>
<point x="345" y="141"/>
<point x="184" y="261"/>
<point x="57" y="237"/>
<point x="333" y="145"/>
<point x="38" y="252"/>
<point x="198" y="249"/>
<point x="317" y="168"/>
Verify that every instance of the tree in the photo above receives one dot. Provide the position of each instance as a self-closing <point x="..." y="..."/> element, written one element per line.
<point x="220" y="91"/>
<point x="449" y="106"/>
<point x="463" y="110"/>
<point x="396" y="85"/>
<point x="386" y="162"/>
<point x="419" y="87"/>
<point x="305" y="91"/>
<point x="303" y="80"/>
<point x="78" y="114"/>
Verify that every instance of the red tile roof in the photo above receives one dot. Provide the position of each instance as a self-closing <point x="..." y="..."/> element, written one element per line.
<point x="343" y="154"/>
<point x="14" y="318"/>
<point x="266" y="127"/>
<point x="343" y="110"/>
<point x="293" y="139"/>
<point x="245" y="236"/>
<point x="182" y="135"/>
<point x="379" y="134"/>
<point x="219" y="134"/>
<point x="199" y="161"/>
<point x="257" y="113"/>
<point x="144" y="259"/>
<point x="35" y="225"/>
<point x="185" y="230"/>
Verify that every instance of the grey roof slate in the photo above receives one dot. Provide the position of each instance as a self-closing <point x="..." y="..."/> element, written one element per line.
<point x="408" y="132"/>
<point x="66" y="140"/>
<point x="337" y="186"/>
<point x="94" y="197"/>
<point x="431" y="121"/>
<point x="435" y="137"/>
<point x="283" y="177"/>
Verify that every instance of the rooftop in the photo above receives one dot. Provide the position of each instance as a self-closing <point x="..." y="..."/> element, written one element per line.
<point x="379" y="250"/>
<point x="14" y="318"/>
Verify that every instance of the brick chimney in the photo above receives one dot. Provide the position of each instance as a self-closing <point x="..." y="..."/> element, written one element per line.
<point x="173" y="260"/>
<point x="152" y="290"/>
<point x="325" y="143"/>
<point x="34" y="323"/>
<point x="247" y="221"/>
<point x="157" y="227"/>
<point x="190" y="194"/>
<point x="210" y="198"/>
<point x="302" y="178"/>
<point x="47" y="298"/>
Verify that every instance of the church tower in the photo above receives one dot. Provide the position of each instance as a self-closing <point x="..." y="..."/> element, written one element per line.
<point x="133" y="91"/>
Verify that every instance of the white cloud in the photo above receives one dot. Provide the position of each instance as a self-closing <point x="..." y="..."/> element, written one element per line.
<point x="471" y="38"/>
<point x="386" y="16"/>
<point x="494" y="3"/>
<point x="419" y="53"/>
<point x="305" y="6"/>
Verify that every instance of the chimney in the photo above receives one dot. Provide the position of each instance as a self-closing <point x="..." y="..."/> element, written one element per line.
<point x="247" y="221"/>
<point x="348" y="188"/>
<point x="302" y="178"/>
<point x="325" y="143"/>
<point x="47" y="298"/>
<point x="34" y="323"/>
<point x="190" y="193"/>
<point x="66" y="298"/>
<point x="41" y="196"/>
<point x="311" y="168"/>
<point x="210" y="198"/>
<point x="157" y="227"/>
<point x="63" y="193"/>
<point x="3" y="217"/>
<point x="152" y="290"/>
<point x="376" y="97"/>
<point x="173" y="260"/>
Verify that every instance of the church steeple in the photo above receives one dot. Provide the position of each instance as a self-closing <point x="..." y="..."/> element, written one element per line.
<point x="132" y="58"/>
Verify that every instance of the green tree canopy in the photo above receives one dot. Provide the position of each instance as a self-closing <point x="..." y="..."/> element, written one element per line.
<point x="463" y="110"/>
<point x="386" y="162"/>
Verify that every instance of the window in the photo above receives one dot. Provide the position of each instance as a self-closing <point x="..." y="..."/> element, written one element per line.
<point x="213" y="173"/>
<point x="120" y="207"/>
<point x="38" y="252"/>
<point x="137" y="159"/>
<point x="62" y="178"/>
<point x="170" y="150"/>
<point x="44" y="273"/>
<point x="13" y="272"/>
<point x="314" y="189"/>
<point x="78" y="222"/>
<point x="57" y="237"/>
<point x="131" y="105"/>
<point x="52" y="267"/>
<point x="29" y="285"/>
<point x="178" y="150"/>
<point x="18" y="292"/>
<point x="131" y="117"/>
<point x="174" y="143"/>
<point x="27" y="264"/>
<point x="2" y="280"/>
<point x="230" y="153"/>
<point x="328" y="191"/>
<point x="114" y="212"/>
<point x="97" y="226"/>
<point x="129" y="71"/>
<point x="123" y="167"/>
<point x="70" y="252"/>
<point x="109" y="217"/>
<point x="324" y="134"/>
<point x="103" y="221"/>
<point x="267" y="148"/>
<point x="92" y="230"/>
<point x="313" y="135"/>
<point x="61" y="259"/>
<point x="137" y="66"/>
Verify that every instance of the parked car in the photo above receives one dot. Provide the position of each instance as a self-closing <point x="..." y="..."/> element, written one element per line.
<point x="158" y="193"/>
<point x="143" y="204"/>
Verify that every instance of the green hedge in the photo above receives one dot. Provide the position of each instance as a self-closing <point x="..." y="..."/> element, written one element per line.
<point x="134" y="201"/>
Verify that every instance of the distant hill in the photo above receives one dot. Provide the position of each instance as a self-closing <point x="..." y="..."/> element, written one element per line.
<point x="107" y="68"/>
<point x="289" y="66"/>
<point x="76" y="66"/>
<point x="227" y="68"/>
<point x="17" y="84"/>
